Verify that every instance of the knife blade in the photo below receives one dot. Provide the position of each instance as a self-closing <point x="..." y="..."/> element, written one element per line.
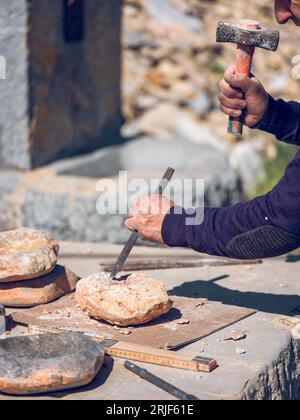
<point x="2" y="320"/>
<point x="135" y="235"/>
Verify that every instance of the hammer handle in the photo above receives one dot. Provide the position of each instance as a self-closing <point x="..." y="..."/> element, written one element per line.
<point x="243" y="68"/>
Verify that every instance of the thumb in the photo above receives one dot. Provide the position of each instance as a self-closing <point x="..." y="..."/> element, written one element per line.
<point x="131" y="224"/>
<point x="238" y="81"/>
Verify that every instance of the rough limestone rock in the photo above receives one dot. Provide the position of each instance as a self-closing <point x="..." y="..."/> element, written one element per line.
<point x="46" y="363"/>
<point x="26" y="254"/>
<point x="39" y="291"/>
<point x="135" y="301"/>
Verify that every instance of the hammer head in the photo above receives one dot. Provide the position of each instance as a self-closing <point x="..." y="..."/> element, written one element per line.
<point x="237" y="34"/>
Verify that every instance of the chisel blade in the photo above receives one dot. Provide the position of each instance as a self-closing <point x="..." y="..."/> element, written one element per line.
<point x="124" y="254"/>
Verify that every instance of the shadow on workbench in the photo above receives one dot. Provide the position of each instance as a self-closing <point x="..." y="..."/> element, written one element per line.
<point x="262" y="302"/>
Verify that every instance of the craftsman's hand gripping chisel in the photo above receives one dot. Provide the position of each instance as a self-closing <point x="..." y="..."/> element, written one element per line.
<point x="134" y="236"/>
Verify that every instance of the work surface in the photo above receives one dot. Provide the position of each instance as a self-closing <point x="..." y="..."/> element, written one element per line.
<point x="269" y="367"/>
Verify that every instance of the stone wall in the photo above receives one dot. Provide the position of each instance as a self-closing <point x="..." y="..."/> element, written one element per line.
<point x="60" y="98"/>
<point x="61" y="198"/>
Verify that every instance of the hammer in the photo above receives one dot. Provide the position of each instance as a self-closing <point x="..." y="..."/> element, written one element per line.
<point x="247" y="35"/>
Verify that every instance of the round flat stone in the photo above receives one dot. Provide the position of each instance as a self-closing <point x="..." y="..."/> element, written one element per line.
<point x="135" y="301"/>
<point x="48" y="363"/>
<point x="39" y="291"/>
<point x="26" y="254"/>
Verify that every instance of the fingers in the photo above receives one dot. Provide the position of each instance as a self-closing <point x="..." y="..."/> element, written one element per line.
<point x="231" y="112"/>
<point x="136" y="224"/>
<point x="237" y="81"/>
<point x="233" y="89"/>
<point x="149" y="204"/>
<point x="141" y="205"/>
<point x="230" y="71"/>
<point x="131" y="224"/>
<point x="232" y="103"/>
<point x="229" y="91"/>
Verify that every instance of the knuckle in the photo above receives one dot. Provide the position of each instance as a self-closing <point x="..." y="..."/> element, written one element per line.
<point x="234" y="94"/>
<point x="235" y="104"/>
<point x="224" y="100"/>
<point x="228" y="91"/>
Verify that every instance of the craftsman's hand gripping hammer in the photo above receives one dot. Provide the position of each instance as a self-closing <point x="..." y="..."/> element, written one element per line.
<point x="247" y="35"/>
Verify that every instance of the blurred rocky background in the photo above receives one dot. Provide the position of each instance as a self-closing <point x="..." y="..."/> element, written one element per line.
<point x="171" y="70"/>
<point x="168" y="68"/>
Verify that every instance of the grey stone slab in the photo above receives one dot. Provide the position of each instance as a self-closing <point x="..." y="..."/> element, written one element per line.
<point x="102" y="163"/>
<point x="87" y="223"/>
<point x="56" y="105"/>
<point x="62" y="198"/>
<point x="9" y="180"/>
<point x="42" y="363"/>
<point x="43" y="210"/>
<point x="14" y="90"/>
<point x="166" y="14"/>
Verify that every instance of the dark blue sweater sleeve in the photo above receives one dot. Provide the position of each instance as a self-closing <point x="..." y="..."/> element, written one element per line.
<point x="270" y="220"/>
<point x="279" y="209"/>
<point x="283" y="120"/>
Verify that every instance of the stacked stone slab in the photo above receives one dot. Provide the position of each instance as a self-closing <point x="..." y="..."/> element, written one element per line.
<point x="29" y="274"/>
